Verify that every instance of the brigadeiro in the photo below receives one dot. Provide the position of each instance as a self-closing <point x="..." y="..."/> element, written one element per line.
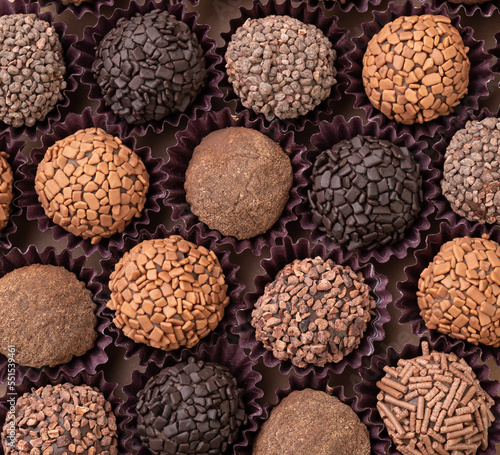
<point x="6" y="189"/>
<point x="149" y="66"/>
<point x="91" y="184"/>
<point x="280" y="66"/>
<point x="366" y="192"/>
<point x="238" y="182"/>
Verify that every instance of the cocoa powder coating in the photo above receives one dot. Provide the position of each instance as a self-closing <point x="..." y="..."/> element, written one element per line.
<point x="312" y="422"/>
<point x="313" y="313"/>
<point x="416" y="68"/>
<point x="238" y="182"/>
<point x="47" y="314"/>
<point x="6" y="190"/>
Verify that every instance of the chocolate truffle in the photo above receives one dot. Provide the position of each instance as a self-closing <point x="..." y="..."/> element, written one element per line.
<point x="459" y="290"/>
<point x="149" y="66"/>
<point x="168" y="293"/>
<point x="313" y="313"/>
<point x="280" y="67"/>
<point x="190" y="408"/>
<point x="61" y="419"/>
<point x="6" y="189"/>
<point x="47" y="314"/>
<point x="238" y="182"/>
<point x="32" y="69"/>
<point x="312" y="422"/>
<point x="471" y="177"/>
<point x="92" y="185"/>
<point x="366" y="192"/>
<point x="416" y="68"/>
<point x="434" y="404"/>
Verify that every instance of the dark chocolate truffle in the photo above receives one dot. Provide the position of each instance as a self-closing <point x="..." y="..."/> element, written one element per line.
<point x="149" y="66"/>
<point x="314" y="312"/>
<point x="458" y="292"/>
<point x="168" y="293"/>
<point x="61" y="419"/>
<point x="47" y="314"/>
<point x="280" y="67"/>
<point x="416" y="68"/>
<point x="32" y="69"/>
<point x="434" y="404"/>
<point x="238" y="182"/>
<point x="366" y="192"/>
<point x="312" y="422"/>
<point x="190" y="408"/>
<point x="6" y="189"/>
<point x="471" y="177"/>
<point x="91" y="184"/>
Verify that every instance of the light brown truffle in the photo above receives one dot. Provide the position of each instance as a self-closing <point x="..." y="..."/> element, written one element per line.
<point x="6" y="190"/>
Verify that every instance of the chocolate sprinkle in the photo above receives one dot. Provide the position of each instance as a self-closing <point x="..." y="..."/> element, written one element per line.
<point x="6" y="189"/>
<point x="189" y="408"/>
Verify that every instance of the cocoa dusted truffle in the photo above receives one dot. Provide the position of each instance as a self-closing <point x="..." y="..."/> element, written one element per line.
<point x="471" y="177"/>
<point x="310" y="421"/>
<point x="92" y="185"/>
<point x="366" y="192"/>
<point x="280" y="67"/>
<point x="416" y="68"/>
<point x="47" y="314"/>
<point x="238" y="182"/>
<point x="190" y="408"/>
<point x="59" y="419"/>
<point x="6" y="189"/>
<point x="168" y="293"/>
<point x="32" y="69"/>
<point x="435" y="404"/>
<point x="314" y="312"/>
<point x="149" y="66"/>
<point x="458" y="292"/>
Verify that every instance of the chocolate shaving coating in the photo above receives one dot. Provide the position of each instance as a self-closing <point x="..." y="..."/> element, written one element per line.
<point x="6" y="189"/>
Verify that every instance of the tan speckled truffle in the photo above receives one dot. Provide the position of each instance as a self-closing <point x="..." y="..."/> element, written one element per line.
<point x="416" y="68"/>
<point x="91" y="184"/>
<point x="6" y="190"/>
<point x="168" y="293"/>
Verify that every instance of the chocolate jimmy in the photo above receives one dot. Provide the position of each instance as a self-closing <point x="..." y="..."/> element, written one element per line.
<point x="6" y="189"/>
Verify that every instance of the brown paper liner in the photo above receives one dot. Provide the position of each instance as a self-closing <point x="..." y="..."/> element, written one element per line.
<point x="180" y="155"/>
<point x="90" y="6"/>
<point x="361" y="6"/>
<point x="486" y="9"/>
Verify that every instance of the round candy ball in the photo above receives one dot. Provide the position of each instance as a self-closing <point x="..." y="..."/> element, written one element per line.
<point x="168" y="293"/>
<point x="238" y="182"/>
<point x="458" y="292"/>
<point x="6" y="190"/>
<point x="149" y="66"/>
<point x="416" y="68"/>
<point x="32" y="70"/>
<point x="471" y="177"/>
<point x="91" y="184"/>
<point x="366" y="192"/>
<point x="190" y="408"/>
<point x="280" y="67"/>
<point x="66" y="418"/>
<point x="314" y="312"/>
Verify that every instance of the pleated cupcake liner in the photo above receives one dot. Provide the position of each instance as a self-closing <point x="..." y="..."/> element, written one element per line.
<point x="142" y="351"/>
<point x="328" y="25"/>
<point x="35" y="211"/>
<point x="361" y="6"/>
<point x="302" y="249"/>
<point x="480" y="72"/>
<point x="218" y="351"/>
<point x="90" y="6"/>
<point x="407" y="303"/>
<point x="180" y="154"/>
<point x="368" y="390"/>
<point x="94" y="357"/>
<point x="93" y="36"/>
<point x="495" y="52"/>
<point x="485" y="9"/>
<point x="73" y="70"/>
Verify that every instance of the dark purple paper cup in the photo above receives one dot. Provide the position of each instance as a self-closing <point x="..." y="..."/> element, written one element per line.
<point x="285" y="254"/>
<point x="195" y="235"/>
<point x="87" y="6"/>
<point x="328" y="25"/>
<point x="178" y="160"/>
<point x="339" y="129"/>
<point x="221" y="352"/>
<point x="35" y="211"/>
<point x="94" y="357"/>
<point x="496" y="53"/>
<point x="370" y="375"/>
<point x="480" y="72"/>
<point x="94" y="35"/>
<point x="361" y="6"/>
<point x="485" y="9"/>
